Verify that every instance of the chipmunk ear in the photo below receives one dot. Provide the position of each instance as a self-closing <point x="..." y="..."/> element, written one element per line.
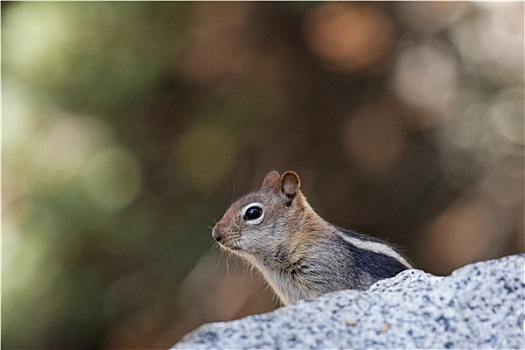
<point x="290" y="184"/>
<point x="272" y="180"/>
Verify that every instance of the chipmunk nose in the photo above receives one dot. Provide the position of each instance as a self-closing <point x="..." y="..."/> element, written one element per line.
<point x="215" y="233"/>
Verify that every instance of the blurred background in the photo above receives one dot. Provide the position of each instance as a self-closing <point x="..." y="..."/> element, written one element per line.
<point x="128" y="128"/>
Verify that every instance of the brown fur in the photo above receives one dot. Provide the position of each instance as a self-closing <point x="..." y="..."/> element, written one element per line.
<point x="300" y="254"/>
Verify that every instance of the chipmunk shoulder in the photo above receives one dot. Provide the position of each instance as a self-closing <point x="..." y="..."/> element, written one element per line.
<point x="299" y="253"/>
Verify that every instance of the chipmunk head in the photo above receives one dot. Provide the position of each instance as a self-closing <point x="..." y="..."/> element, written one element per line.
<point x="257" y="221"/>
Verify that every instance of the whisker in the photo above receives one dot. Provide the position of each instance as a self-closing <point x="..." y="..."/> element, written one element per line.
<point x="228" y="267"/>
<point x="219" y="259"/>
<point x="225" y="195"/>
<point x="233" y="183"/>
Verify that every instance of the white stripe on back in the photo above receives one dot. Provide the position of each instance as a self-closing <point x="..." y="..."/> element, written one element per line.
<point x="375" y="247"/>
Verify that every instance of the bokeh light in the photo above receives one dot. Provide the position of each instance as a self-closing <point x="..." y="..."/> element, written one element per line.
<point x="349" y="36"/>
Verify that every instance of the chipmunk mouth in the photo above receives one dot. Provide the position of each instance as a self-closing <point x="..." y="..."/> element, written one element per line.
<point x="230" y="245"/>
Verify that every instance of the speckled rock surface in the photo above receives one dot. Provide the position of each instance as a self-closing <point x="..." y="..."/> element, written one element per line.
<point x="479" y="306"/>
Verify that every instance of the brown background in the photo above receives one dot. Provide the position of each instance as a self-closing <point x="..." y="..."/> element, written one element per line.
<point x="128" y="128"/>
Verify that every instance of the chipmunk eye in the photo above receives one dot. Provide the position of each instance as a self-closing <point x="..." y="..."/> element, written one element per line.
<point x="253" y="213"/>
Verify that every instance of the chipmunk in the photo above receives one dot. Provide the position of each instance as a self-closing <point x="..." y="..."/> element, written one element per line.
<point x="301" y="255"/>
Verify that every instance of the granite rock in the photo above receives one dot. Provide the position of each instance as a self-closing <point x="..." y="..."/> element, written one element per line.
<point x="478" y="306"/>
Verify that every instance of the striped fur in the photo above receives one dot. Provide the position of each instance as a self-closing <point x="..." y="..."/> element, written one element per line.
<point x="301" y="255"/>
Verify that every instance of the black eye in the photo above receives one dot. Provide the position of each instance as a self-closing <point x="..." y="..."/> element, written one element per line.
<point x="253" y="213"/>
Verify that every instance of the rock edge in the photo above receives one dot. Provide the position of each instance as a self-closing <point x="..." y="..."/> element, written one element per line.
<point x="478" y="306"/>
